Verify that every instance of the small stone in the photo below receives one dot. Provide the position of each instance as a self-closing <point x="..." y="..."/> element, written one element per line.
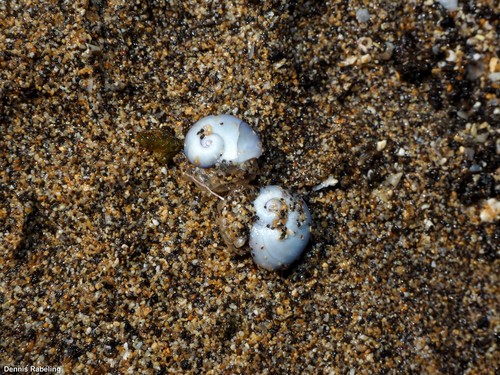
<point x="330" y="181"/>
<point x="449" y="5"/>
<point x="362" y="15"/>
<point x="490" y="211"/>
<point x="393" y="179"/>
<point x="381" y="145"/>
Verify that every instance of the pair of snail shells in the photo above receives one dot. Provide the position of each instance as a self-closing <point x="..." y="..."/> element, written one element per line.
<point x="219" y="139"/>
<point x="274" y="223"/>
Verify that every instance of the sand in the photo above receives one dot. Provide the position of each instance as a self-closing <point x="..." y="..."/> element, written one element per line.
<point x="112" y="262"/>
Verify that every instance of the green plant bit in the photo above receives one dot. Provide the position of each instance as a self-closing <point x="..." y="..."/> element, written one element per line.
<point x="160" y="142"/>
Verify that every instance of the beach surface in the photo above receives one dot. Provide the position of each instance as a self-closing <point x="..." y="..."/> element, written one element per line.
<point x="111" y="261"/>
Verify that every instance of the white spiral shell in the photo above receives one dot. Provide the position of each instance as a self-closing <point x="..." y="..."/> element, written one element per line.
<point x="221" y="138"/>
<point x="273" y="222"/>
<point x="282" y="229"/>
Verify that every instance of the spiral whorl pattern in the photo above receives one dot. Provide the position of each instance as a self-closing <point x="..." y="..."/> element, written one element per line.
<point x="222" y="138"/>
<point x="282" y="229"/>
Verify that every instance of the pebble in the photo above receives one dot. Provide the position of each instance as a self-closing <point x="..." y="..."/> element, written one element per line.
<point x="362" y="15"/>
<point x="450" y="5"/>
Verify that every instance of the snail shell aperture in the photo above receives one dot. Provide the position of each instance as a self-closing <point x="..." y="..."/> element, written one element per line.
<point x="273" y="222"/>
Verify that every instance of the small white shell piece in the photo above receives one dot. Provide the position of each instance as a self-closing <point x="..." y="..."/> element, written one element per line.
<point x="282" y="230"/>
<point x="221" y="138"/>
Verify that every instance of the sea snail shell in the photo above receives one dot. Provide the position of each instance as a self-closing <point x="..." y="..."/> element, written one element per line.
<point x="221" y="138"/>
<point x="273" y="222"/>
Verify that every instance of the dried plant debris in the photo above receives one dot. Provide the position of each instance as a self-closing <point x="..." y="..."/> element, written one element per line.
<point x="161" y="142"/>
